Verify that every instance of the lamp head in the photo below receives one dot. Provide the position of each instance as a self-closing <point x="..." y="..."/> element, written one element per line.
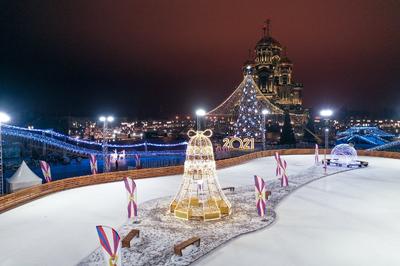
<point x="4" y="118"/>
<point x="265" y="112"/>
<point x="326" y="113"/>
<point x="200" y="112"/>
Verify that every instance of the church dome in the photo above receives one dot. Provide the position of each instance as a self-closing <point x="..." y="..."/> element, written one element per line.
<point x="268" y="41"/>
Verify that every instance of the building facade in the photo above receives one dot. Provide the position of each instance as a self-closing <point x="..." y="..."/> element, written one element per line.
<point x="272" y="71"/>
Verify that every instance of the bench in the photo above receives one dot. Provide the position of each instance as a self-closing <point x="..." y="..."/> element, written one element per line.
<point x="126" y="242"/>
<point x="351" y="164"/>
<point x="178" y="248"/>
<point x="229" y="188"/>
<point x="363" y="163"/>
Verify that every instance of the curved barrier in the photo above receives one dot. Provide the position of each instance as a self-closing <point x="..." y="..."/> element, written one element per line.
<point x="23" y="196"/>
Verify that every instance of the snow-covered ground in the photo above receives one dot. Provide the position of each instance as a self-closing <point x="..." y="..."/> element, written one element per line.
<point x="348" y="218"/>
<point x="160" y="230"/>
<point x="351" y="218"/>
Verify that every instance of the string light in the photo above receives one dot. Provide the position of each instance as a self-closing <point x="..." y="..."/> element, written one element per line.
<point x="248" y="123"/>
<point x="60" y="140"/>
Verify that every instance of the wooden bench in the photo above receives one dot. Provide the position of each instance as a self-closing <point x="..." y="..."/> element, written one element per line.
<point x="229" y="188"/>
<point x="178" y="248"/>
<point x="126" y="242"/>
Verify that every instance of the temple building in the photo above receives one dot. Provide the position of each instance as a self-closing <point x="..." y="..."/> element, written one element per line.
<point x="273" y="73"/>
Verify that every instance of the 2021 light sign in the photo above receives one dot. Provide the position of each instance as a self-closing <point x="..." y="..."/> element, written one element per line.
<point x="238" y="143"/>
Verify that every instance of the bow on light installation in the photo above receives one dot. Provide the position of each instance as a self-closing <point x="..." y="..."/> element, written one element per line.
<point x="281" y="170"/>
<point x="110" y="242"/>
<point x="130" y="186"/>
<point x="261" y="198"/>
<point x="93" y="163"/>
<point x="46" y="171"/>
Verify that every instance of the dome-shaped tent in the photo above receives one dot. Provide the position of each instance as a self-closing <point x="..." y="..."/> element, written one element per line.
<point x="344" y="154"/>
<point x="23" y="178"/>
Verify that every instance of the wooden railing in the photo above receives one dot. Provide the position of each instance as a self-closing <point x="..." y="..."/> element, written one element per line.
<point x="23" y="196"/>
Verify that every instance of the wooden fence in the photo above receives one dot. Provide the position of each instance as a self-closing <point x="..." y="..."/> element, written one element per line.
<point x="23" y="196"/>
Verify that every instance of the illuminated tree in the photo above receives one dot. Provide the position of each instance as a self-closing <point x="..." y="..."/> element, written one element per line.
<point x="287" y="134"/>
<point x="309" y="131"/>
<point x="248" y="123"/>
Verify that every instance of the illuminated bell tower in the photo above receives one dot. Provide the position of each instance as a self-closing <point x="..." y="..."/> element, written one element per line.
<point x="284" y="69"/>
<point x="268" y="54"/>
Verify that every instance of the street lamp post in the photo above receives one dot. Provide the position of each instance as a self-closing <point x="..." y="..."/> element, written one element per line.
<point x="4" y="118"/>
<point x="199" y="113"/>
<point x="264" y="113"/>
<point x="326" y="113"/>
<point x="104" y="144"/>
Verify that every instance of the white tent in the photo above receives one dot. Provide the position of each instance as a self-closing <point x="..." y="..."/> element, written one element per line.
<point x="23" y="178"/>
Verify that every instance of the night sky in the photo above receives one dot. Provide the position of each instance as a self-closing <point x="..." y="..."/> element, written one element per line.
<point x="159" y="58"/>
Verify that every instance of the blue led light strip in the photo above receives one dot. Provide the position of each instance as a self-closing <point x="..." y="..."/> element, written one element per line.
<point x="45" y="135"/>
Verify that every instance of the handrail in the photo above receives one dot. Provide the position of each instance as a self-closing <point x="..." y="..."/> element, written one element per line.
<point x="69" y="143"/>
<point x="23" y="196"/>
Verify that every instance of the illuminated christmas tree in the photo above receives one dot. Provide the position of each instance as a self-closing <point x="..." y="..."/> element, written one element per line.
<point x="287" y="133"/>
<point x="248" y="123"/>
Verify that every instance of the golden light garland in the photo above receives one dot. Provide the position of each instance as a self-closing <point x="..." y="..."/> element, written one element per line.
<point x="200" y="196"/>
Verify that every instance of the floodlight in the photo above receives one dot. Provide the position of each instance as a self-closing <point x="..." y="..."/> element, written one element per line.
<point x="326" y="113"/>
<point x="200" y="112"/>
<point x="4" y="118"/>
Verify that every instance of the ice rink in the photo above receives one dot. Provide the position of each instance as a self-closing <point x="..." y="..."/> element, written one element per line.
<point x="351" y="218"/>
